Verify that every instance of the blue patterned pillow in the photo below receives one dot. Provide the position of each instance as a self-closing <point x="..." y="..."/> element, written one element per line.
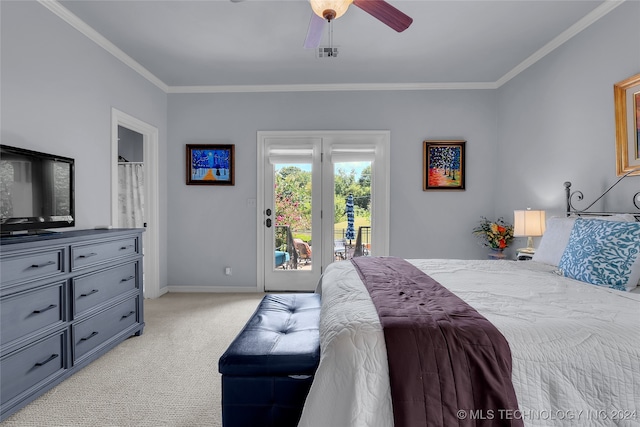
<point x="603" y="253"/>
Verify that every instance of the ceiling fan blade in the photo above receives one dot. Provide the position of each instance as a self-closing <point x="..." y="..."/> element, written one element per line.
<point x="386" y="13"/>
<point x="314" y="33"/>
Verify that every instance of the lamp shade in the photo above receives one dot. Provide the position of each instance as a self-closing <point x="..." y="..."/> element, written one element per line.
<point x="529" y="223"/>
<point x="338" y="6"/>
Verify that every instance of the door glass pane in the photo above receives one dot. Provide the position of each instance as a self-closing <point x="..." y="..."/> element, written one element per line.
<point x="292" y="217"/>
<point x="352" y="209"/>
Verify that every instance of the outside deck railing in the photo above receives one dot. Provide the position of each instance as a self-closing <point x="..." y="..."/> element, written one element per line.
<point x="345" y="249"/>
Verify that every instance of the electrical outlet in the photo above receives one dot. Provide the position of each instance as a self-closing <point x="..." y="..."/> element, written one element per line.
<point x="227" y="271"/>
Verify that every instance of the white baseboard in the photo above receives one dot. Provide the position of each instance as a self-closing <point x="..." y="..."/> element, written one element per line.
<point x="211" y="289"/>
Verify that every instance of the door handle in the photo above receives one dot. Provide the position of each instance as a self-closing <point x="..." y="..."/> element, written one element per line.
<point x="267" y="212"/>
<point x="268" y="222"/>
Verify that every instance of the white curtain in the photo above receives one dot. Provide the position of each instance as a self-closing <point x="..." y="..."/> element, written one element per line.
<point x="131" y="195"/>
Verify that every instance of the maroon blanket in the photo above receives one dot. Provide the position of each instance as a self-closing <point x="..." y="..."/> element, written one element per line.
<point x="448" y="365"/>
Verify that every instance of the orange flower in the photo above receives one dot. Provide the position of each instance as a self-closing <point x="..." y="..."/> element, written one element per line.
<point x="494" y="234"/>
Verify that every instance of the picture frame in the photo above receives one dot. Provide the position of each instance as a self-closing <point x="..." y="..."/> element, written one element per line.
<point x="210" y="164"/>
<point x="626" y="96"/>
<point x="443" y="165"/>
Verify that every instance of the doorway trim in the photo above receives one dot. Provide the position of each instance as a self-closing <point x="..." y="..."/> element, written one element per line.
<point x="151" y="262"/>
<point x="382" y="210"/>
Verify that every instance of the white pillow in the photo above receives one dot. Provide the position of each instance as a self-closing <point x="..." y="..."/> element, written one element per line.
<point x="554" y="240"/>
<point x="556" y="236"/>
<point x="618" y="217"/>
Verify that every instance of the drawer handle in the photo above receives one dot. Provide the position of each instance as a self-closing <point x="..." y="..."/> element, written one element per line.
<point x="88" y="255"/>
<point x="52" y="357"/>
<point x="89" y="293"/>
<point x="42" y="265"/>
<point x="124" y="248"/>
<point x="42" y="310"/>
<point x="127" y="315"/>
<point x="93" y="334"/>
<point x="126" y="279"/>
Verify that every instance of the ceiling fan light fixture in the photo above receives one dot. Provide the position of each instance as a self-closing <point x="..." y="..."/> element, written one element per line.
<point x="330" y="9"/>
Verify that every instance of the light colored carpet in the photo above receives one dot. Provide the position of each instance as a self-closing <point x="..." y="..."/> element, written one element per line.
<point x="166" y="377"/>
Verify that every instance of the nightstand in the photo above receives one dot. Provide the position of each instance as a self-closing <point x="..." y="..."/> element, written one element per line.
<point x="525" y="255"/>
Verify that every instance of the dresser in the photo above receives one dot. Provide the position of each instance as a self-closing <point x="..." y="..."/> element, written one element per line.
<point x="65" y="299"/>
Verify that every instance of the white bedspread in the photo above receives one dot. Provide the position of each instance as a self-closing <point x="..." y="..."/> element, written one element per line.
<point x="575" y="347"/>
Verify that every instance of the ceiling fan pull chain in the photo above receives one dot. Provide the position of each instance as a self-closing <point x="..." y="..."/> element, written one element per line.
<point x="331" y="38"/>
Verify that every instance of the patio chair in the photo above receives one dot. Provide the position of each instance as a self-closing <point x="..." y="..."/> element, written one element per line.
<point x="282" y="259"/>
<point x="303" y="249"/>
<point x="340" y="249"/>
<point x="287" y="246"/>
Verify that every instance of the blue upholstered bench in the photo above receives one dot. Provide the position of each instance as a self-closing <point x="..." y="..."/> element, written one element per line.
<point x="268" y="368"/>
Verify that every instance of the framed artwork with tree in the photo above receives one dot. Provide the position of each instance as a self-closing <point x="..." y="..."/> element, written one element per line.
<point x="443" y="165"/>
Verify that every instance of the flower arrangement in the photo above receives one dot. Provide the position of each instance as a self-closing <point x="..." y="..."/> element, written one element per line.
<point x="494" y="234"/>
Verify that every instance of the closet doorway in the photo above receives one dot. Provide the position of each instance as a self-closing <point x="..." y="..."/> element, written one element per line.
<point x="134" y="188"/>
<point x="130" y="179"/>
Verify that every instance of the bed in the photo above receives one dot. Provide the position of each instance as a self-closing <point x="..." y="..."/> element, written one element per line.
<point x="575" y="346"/>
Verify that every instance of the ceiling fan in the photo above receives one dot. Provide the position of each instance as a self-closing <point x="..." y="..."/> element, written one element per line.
<point x="327" y="10"/>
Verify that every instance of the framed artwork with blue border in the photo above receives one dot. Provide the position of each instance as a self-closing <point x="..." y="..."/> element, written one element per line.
<point x="210" y="164"/>
<point x="443" y="165"/>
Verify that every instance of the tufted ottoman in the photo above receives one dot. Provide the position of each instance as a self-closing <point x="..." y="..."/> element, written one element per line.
<point x="268" y="368"/>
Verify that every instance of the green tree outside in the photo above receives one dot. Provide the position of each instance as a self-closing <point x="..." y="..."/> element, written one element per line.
<point x="293" y="198"/>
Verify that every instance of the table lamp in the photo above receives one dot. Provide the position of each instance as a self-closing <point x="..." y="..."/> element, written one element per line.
<point x="529" y="223"/>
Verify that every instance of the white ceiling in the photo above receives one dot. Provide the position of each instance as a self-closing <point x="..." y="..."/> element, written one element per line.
<point x="260" y="42"/>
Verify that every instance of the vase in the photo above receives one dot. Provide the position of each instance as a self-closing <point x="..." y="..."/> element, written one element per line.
<point x="496" y="253"/>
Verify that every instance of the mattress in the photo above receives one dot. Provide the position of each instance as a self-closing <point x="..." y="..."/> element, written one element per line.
<point x="575" y="347"/>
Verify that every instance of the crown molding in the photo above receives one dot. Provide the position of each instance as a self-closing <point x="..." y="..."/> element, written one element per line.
<point x="331" y="87"/>
<point x="562" y="38"/>
<point x="77" y="23"/>
<point x="66" y="15"/>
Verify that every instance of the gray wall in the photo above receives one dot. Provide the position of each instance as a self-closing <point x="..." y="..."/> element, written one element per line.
<point x="556" y="119"/>
<point x="58" y="88"/>
<point x="212" y="227"/>
<point x="552" y="123"/>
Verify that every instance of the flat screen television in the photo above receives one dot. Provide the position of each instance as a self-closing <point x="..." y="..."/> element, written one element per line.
<point x="36" y="191"/>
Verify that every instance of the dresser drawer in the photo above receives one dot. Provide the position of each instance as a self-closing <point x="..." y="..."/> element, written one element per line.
<point x="95" y="253"/>
<point x="22" y="267"/>
<point x="36" y="363"/>
<point x="26" y="312"/>
<point x="90" y="333"/>
<point x="93" y="289"/>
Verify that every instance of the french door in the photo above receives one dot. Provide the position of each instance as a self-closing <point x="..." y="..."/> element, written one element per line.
<point x="298" y="218"/>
